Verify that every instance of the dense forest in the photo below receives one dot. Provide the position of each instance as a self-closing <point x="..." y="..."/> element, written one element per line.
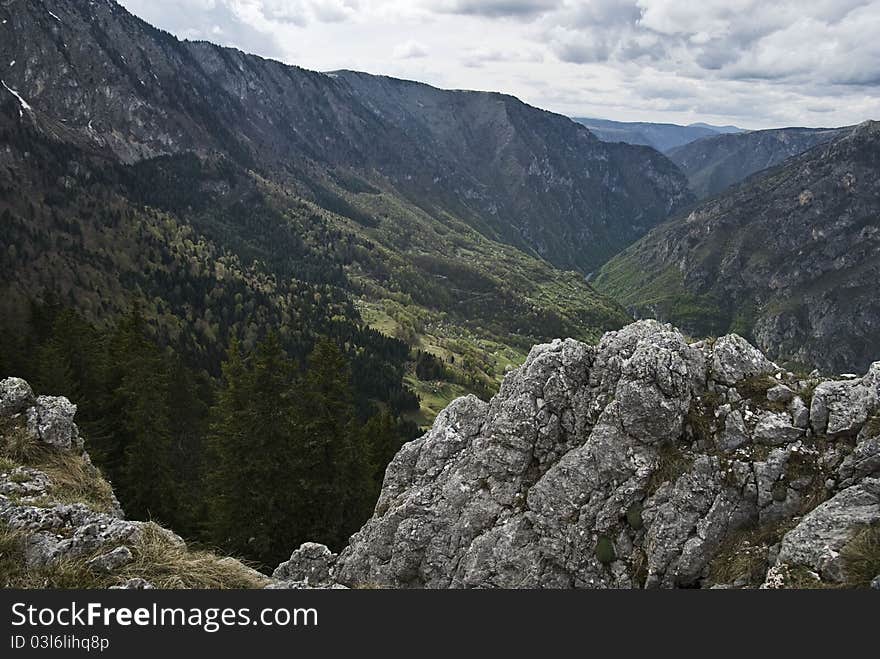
<point x="270" y="454"/>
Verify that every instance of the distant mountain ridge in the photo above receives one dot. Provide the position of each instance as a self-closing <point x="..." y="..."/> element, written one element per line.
<point x="717" y="162"/>
<point x="661" y="136"/>
<point x="789" y="258"/>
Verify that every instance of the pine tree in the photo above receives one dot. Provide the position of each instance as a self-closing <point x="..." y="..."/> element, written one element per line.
<point x="326" y="430"/>
<point x="381" y="435"/>
<point x="253" y="479"/>
<point x="141" y="451"/>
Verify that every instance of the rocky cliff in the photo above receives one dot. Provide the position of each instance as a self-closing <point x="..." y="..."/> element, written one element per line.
<point x="61" y="525"/>
<point x="648" y="461"/>
<point x="789" y="259"/>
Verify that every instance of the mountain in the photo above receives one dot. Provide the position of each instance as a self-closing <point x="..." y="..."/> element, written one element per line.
<point x="645" y="462"/>
<point x="663" y="137"/>
<point x="225" y="194"/>
<point x="524" y="176"/>
<point x="790" y="258"/>
<point x="715" y="163"/>
<point x="514" y="173"/>
<point x="724" y="130"/>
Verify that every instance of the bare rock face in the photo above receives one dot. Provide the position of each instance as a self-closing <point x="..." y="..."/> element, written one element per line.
<point x="112" y="560"/>
<point x="734" y="359"/>
<point x="791" y="256"/>
<point x="643" y="462"/>
<point x="309" y="565"/>
<point x="844" y="407"/>
<point x="816" y="542"/>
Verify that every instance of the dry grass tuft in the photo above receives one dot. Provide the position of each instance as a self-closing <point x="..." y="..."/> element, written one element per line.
<point x="744" y="555"/>
<point x="158" y="558"/>
<point x="861" y="557"/>
<point x="166" y="563"/>
<point x="74" y="480"/>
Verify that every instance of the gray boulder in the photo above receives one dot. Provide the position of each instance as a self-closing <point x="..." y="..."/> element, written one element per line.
<point x="15" y="396"/>
<point x="780" y="394"/>
<point x="310" y="564"/>
<point x="862" y="462"/>
<point x="133" y="584"/>
<point x="843" y="406"/>
<point x="816" y="541"/>
<point x="51" y="420"/>
<point x="734" y="359"/>
<point x="111" y="561"/>
<point x="774" y="428"/>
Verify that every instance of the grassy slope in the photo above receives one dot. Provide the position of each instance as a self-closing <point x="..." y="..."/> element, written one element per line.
<point x="479" y="305"/>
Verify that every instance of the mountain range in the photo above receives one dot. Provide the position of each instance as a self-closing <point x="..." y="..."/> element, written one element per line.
<point x="414" y="204"/>
<point x="663" y="137"/>
<point x="516" y="174"/>
<point x="261" y="283"/>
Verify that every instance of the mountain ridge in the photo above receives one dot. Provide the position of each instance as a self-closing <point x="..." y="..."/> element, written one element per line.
<point x="166" y="96"/>
<point x="713" y="164"/>
<point x="290" y="174"/>
<point x="788" y="258"/>
<point x="662" y="136"/>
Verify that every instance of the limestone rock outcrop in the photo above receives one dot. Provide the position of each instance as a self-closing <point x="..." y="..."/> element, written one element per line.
<point x="648" y="461"/>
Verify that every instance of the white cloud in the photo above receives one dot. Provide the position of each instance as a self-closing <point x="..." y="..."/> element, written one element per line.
<point x="410" y="50"/>
<point x="752" y="62"/>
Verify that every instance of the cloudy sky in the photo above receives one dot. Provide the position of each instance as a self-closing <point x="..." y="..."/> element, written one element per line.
<point x="753" y="63"/>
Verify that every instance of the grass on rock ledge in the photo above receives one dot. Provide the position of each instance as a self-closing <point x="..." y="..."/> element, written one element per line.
<point x="158" y="556"/>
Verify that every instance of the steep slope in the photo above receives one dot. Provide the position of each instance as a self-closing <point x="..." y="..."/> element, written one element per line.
<point x="527" y="177"/>
<point x="663" y="137"/>
<point x="790" y="258"/>
<point x="645" y="462"/>
<point x="515" y="173"/>
<point x="715" y="163"/>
